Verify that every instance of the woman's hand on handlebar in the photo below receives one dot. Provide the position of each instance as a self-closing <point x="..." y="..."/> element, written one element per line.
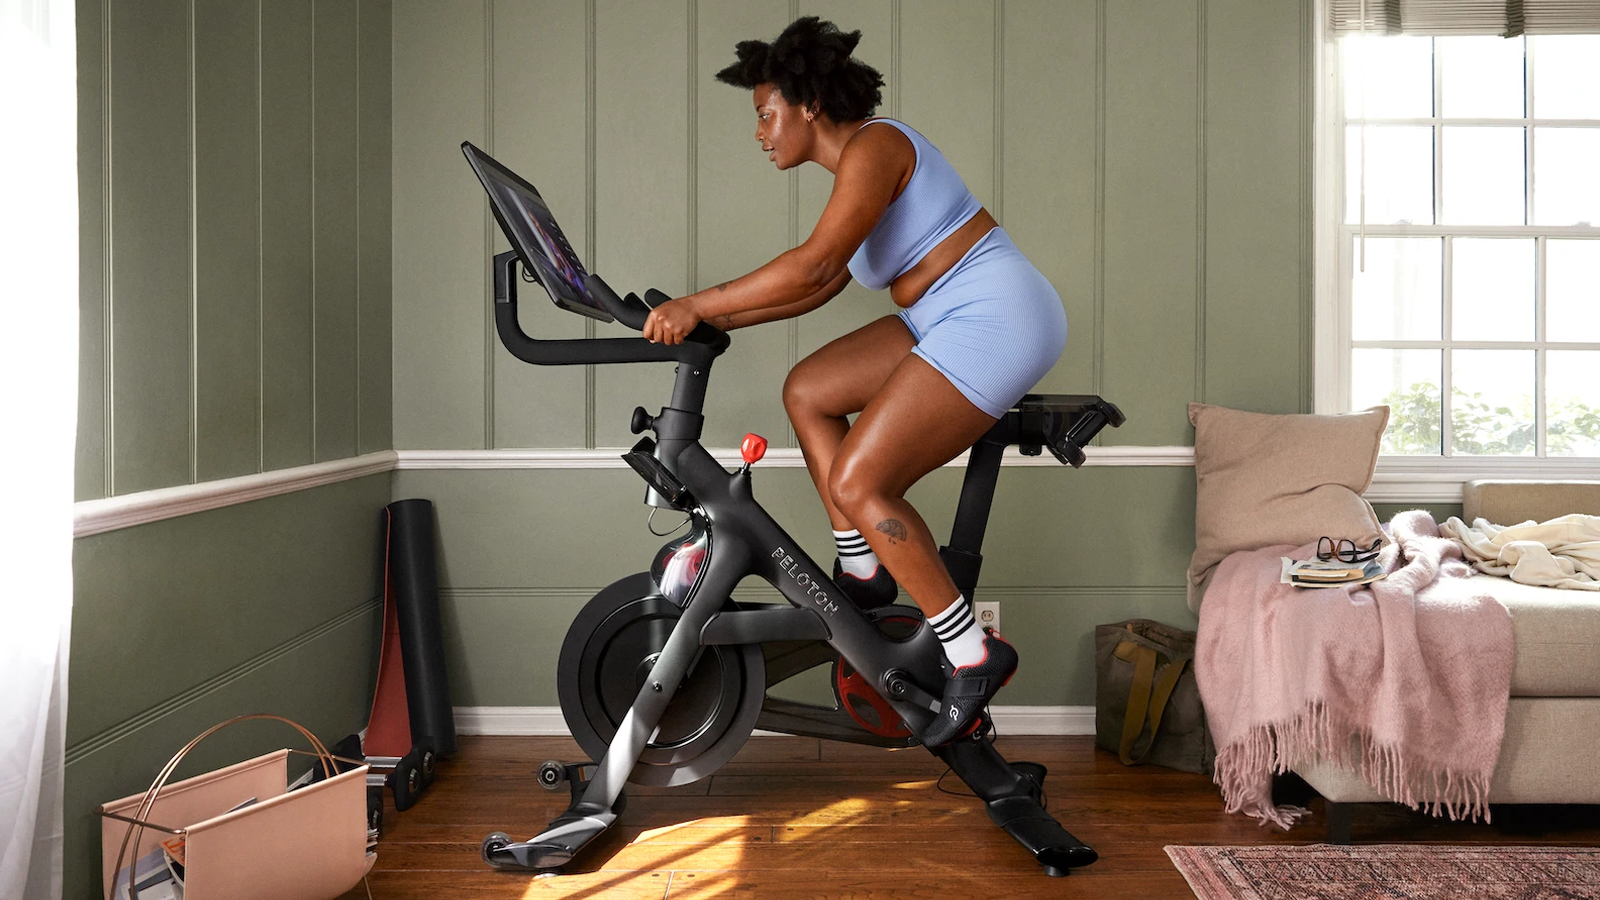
<point x="671" y="322"/>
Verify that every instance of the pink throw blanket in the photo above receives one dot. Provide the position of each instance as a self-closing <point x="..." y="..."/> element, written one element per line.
<point x="1407" y="683"/>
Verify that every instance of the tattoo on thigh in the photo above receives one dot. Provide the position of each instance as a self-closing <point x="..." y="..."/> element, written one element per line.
<point x="894" y="528"/>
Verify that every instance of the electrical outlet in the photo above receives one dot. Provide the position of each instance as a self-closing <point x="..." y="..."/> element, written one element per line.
<point x="987" y="613"/>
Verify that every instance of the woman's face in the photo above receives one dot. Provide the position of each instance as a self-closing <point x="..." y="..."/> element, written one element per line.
<point x="781" y="127"/>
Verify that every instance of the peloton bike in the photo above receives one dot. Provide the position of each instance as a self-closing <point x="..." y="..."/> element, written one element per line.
<point x="662" y="676"/>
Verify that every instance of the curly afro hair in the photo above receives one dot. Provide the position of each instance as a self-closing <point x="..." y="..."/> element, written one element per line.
<point x="810" y="64"/>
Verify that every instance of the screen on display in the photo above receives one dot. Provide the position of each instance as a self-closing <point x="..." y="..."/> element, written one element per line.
<point x="532" y="230"/>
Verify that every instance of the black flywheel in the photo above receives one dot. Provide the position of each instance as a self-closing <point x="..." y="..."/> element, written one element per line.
<point x="607" y="658"/>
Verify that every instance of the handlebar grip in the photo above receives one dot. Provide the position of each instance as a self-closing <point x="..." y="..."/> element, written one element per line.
<point x="631" y="314"/>
<point x="704" y="333"/>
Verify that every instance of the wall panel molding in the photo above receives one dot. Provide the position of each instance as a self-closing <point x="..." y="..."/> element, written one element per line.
<point x="548" y="721"/>
<point x="101" y="740"/>
<point x="112" y="513"/>
<point x="783" y="458"/>
<point x="1396" y="481"/>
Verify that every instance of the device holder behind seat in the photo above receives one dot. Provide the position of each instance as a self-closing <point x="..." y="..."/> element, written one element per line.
<point x="1063" y="422"/>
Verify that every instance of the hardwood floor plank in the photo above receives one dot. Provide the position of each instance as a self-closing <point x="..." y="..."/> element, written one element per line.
<point x="487" y="884"/>
<point x="786" y="748"/>
<point x="866" y="885"/>
<point x="801" y="818"/>
<point x="687" y="833"/>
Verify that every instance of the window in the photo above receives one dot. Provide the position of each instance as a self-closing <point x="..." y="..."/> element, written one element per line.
<point x="1460" y="247"/>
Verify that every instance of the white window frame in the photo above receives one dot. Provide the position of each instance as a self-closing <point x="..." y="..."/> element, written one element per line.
<point x="1402" y="479"/>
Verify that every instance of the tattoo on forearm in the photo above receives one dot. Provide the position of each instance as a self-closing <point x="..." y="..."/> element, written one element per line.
<point x="894" y="528"/>
<point x="723" y="286"/>
<point x="725" y="321"/>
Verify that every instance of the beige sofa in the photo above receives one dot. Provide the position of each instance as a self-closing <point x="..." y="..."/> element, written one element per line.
<point x="1551" y="752"/>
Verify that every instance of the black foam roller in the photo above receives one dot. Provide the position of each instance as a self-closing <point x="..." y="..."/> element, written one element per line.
<point x="415" y="581"/>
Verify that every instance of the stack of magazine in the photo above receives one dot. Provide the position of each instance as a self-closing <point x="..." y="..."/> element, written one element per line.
<point x="1329" y="573"/>
<point x="158" y="875"/>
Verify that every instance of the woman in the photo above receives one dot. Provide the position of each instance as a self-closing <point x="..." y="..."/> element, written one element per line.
<point x="978" y="327"/>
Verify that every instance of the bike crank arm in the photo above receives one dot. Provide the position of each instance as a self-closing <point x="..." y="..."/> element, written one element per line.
<point x="901" y="687"/>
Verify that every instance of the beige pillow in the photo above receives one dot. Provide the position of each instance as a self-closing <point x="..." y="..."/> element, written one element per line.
<point x="1279" y="479"/>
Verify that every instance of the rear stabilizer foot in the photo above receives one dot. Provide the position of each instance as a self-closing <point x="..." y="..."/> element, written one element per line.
<point x="1051" y="845"/>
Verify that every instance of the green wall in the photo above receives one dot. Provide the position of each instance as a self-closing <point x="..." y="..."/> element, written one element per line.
<point x="268" y="606"/>
<point x="244" y="292"/>
<point x="234" y="178"/>
<point x="1152" y="158"/>
<point x="234" y="194"/>
<point x="521" y="551"/>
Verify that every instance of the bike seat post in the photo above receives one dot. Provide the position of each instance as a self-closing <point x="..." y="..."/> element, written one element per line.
<point x="964" y="556"/>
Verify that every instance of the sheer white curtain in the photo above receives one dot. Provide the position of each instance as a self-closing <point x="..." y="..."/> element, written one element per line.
<point x="38" y="412"/>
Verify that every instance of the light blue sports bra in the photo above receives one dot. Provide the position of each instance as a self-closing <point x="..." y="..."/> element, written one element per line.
<point x="934" y="204"/>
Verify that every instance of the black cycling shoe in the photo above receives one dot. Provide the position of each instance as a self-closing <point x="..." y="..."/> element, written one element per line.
<point x="970" y="689"/>
<point x="867" y="593"/>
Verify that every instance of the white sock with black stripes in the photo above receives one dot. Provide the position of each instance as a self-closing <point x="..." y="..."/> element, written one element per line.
<point x="959" y="632"/>
<point x="855" y="557"/>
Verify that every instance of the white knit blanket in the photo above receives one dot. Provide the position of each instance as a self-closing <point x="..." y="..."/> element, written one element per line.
<point x="1560" y="553"/>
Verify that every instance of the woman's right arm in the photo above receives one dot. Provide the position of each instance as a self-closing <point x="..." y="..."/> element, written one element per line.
<point x="745" y="318"/>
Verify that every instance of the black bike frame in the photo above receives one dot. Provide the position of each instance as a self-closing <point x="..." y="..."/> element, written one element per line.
<point x="743" y="540"/>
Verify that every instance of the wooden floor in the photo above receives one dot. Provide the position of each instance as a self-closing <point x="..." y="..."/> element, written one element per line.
<point x="796" y="817"/>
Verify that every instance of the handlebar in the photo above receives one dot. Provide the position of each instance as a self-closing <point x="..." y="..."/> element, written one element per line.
<point x="704" y="344"/>
<point x="631" y="311"/>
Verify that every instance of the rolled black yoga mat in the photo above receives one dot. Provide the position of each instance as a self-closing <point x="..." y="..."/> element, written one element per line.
<point x="415" y="582"/>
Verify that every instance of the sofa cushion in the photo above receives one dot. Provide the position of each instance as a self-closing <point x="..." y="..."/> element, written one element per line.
<point x="1547" y="756"/>
<point x="1514" y="502"/>
<point x="1279" y="479"/>
<point x="1557" y="635"/>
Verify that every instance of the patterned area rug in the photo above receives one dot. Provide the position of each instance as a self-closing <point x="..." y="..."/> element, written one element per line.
<point x="1390" y="872"/>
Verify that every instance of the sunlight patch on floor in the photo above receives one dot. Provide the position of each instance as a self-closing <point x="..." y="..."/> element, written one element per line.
<point x="729" y="824"/>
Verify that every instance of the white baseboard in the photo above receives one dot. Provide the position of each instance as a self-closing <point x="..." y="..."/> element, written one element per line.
<point x="507" y="720"/>
<point x="547" y="720"/>
<point x="1043" y="719"/>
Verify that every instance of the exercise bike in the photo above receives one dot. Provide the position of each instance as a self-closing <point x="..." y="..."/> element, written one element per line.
<point x="662" y="676"/>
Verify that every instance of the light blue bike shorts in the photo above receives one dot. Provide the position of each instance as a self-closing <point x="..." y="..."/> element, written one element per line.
<point x="993" y="325"/>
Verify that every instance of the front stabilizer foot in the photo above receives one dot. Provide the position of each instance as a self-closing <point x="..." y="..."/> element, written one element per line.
<point x="551" y="849"/>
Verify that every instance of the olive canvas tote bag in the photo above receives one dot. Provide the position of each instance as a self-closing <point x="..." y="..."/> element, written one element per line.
<point x="1147" y="705"/>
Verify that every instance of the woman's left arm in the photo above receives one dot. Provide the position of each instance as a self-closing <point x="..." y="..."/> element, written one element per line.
<point x="869" y="171"/>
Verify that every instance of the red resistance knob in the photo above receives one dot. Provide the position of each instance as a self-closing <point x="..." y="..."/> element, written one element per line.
<point x="753" y="448"/>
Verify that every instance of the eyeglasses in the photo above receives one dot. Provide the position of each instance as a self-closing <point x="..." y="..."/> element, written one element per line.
<point x="1346" y="550"/>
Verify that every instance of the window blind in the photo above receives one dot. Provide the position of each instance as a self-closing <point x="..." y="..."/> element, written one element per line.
<point x="1509" y="18"/>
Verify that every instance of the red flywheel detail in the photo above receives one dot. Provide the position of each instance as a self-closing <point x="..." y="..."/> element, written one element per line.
<point x="858" y="698"/>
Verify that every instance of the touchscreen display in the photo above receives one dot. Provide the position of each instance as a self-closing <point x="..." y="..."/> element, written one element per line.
<point x="531" y="228"/>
